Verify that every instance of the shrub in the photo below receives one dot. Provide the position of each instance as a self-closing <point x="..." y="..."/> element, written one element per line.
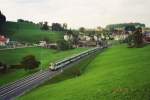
<point x="30" y="62"/>
<point x="45" y="26"/>
<point x="3" y="67"/>
<point x="76" y="72"/>
<point x="64" y="45"/>
<point x="17" y="66"/>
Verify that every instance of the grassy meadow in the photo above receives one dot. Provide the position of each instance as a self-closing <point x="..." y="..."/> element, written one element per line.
<point x="119" y="73"/>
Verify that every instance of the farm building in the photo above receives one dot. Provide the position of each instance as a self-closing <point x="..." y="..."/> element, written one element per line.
<point x="3" y="40"/>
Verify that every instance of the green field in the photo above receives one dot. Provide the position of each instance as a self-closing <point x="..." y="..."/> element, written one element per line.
<point x="119" y="73"/>
<point x="28" y="32"/>
<point x="45" y="56"/>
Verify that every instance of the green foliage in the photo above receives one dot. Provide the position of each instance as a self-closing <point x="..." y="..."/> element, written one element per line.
<point x="135" y="39"/>
<point x="2" y="21"/>
<point x="82" y="29"/>
<point x="2" y="18"/>
<point x="30" y="62"/>
<point x="130" y="28"/>
<point x="64" y="45"/>
<point x="57" y="27"/>
<point x="45" y="26"/>
<point x="76" y="72"/>
<point x="138" y="37"/>
<point x="24" y="21"/>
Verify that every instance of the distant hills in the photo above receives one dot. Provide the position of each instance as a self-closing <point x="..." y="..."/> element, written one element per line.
<point x="123" y="25"/>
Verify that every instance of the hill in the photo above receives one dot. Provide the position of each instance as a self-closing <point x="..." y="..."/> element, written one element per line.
<point x="29" y="32"/>
<point x="119" y="73"/>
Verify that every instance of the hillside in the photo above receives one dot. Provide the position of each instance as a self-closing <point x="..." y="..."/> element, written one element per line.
<point x="119" y="73"/>
<point x="29" y="32"/>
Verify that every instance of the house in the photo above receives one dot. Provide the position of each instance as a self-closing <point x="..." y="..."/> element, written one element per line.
<point x="68" y="37"/>
<point x="14" y="44"/>
<point x="3" y="40"/>
<point x="51" y="45"/>
<point x="84" y="37"/>
<point x="42" y="43"/>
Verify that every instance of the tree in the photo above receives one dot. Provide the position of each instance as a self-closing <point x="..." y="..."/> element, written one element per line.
<point x="30" y="62"/>
<point x="130" y="28"/>
<point x="64" y="45"/>
<point x="65" y="26"/>
<point x="82" y="29"/>
<point x="45" y="26"/>
<point x="130" y="38"/>
<point x="25" y="21"/>
<point x="57" y="27"/>
<point x="138" y="37"/>
<point x="75" y="38"/>
<point x="20" y="20"/>
<point x="2" y="18"/>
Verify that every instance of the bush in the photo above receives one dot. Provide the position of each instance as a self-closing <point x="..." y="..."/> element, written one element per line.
<point x="3" y="67"/>
<point x="45" y="26"/>
<point x="64" y="45"/>
<point x="76" y="72"/>
<point x="18" y="66"/>
<point x="30" y="62"/>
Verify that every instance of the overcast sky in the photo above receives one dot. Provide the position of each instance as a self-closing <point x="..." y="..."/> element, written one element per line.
<point x="87" y="13"/>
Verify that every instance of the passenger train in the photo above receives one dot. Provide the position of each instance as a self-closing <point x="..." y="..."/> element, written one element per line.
<point x="61" y="64"/>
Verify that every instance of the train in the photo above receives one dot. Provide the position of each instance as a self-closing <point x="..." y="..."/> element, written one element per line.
<point x="61" y="64"/>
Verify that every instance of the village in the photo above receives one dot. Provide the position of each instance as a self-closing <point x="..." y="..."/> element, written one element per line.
<point x="83" y="40"/>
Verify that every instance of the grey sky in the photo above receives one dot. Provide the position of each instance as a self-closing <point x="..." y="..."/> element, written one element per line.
<point x="87" y="13"/>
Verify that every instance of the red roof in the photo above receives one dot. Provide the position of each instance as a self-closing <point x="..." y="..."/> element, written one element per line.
<point x="2" y="39"/>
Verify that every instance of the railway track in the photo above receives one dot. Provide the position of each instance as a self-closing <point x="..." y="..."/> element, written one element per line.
<point x="19" y="87"/>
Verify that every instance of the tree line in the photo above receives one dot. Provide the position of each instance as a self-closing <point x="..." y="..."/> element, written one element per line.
<point x="2" y="20"/>
<point x="112" y="27"/>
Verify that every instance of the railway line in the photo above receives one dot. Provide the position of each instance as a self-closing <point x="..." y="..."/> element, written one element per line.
<point x="19" y="87"/>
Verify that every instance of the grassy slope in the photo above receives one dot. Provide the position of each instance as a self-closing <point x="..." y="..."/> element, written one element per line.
<point x="29" y="32"/>
<point x="119" y="73"/>
<point x="44" y="55"/>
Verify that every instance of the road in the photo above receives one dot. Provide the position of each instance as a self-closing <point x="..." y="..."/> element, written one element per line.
<point x="19" y="87"/>
<point x="17" y="48"/>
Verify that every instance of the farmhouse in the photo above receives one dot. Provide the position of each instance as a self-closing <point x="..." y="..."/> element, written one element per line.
<point x="3" y="40"/>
